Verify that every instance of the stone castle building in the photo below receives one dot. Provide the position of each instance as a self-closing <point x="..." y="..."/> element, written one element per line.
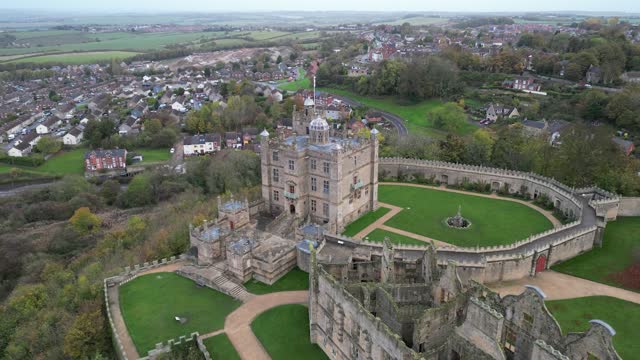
<point x="317" y="175"/>
<point x="383" y="306"/>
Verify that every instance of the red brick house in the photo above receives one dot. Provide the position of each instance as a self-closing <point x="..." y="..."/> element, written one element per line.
<point x="112" y="162"/>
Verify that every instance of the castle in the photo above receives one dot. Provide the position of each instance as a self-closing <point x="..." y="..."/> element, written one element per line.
<point x="316" y="175"/>
<point x="382" y="303"/>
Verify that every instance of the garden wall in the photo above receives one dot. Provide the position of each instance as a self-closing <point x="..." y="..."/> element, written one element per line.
<point x="629" y="206"/>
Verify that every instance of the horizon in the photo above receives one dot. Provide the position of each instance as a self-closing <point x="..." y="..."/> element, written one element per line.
<point x="626" y="7"/>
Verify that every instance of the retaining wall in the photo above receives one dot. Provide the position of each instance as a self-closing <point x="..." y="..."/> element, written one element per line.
<point x="629" y="206"/>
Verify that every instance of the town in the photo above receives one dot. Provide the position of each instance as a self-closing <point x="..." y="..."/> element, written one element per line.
<point x="321" y="185"/>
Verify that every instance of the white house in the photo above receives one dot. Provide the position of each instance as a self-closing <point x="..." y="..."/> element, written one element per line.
<point x="178" y="107"/>
<point x="48" y="125"/>
<point x="202" y="144"/>
<point x="73" y="137"/>
<point x="20" y="150"/>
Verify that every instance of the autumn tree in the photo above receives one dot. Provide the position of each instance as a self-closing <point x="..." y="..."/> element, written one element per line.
<point x="84" y="221"/>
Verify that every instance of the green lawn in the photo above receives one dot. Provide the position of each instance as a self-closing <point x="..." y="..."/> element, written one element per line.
<point x="364" y="221"/>
<point x="221" y="348"/>
<point x="494" y="221"/>
<point x="415" y="114"/>
<point x="295" y="279"/>
<point x="284" y="333"/>
<point x="378" y="235"/>
<point x="573" y="315"/>
<point x="151" y="302"/>
<point x="76" y="58"/>
<point x="65" y="163"/>
<point x="621" y="240"/>
<point x="153" y="155"/>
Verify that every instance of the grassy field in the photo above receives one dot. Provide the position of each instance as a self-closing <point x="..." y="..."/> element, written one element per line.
<point x="291" y="340"/>
<point x="66" y="163"/>
<point x="415" y="114"/>
<point x="295" y="279"/>
<point x="364" y="221"/>
<point x="378" y="235"/>
<point x="573" y="315"/>
<point x="76" y="58"/>
<point x="221" y="348"/>
<point x="494" y="221"/>
<point x="153" y="155"/>
<point x="151" y="302"/>
<point x="621" y="242"/>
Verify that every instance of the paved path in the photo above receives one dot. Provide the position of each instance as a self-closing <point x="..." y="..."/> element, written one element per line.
<point x="118" y="321"/>
<point x="237" y="325"/>
<point x="562" y="286"/>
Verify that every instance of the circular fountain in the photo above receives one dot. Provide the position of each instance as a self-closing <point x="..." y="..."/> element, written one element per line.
<point x="457" y="221"/>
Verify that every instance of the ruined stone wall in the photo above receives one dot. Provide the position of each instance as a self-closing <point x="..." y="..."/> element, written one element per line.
<point x="345" y="330"/>
<point x="269" y="272"/>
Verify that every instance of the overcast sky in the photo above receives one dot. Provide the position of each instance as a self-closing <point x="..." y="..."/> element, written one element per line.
<point x="630" y="6"/>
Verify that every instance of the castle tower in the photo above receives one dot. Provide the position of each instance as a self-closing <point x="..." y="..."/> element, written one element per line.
<point x="319" y="131"/>
<point x="265" y="164"/>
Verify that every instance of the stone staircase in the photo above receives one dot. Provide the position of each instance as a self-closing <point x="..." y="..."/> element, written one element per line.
<point x="283" y="225"/>
<point x="213" y="277"/>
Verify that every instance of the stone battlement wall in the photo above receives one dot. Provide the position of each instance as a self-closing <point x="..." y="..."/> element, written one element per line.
<point x="130" y="273"/>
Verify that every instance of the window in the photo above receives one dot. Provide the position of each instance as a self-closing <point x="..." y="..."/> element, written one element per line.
<point x="366" y="190"/>
<point x="276" y="175"/>
<point x="325" y="167"/>
<point x="292" y="165"/>
<point x="313" y="164"/>
<point x="275" y="156"/>
<point x="325" y="186"/>
<point x="314" y="184"/>
<point x="527" y="321"/>
<point x="355" y="180"/>
<point x="313" y="205"/>
<point x="325" y="209"/>
<point x="510" y="340"/>
<point x="276" y="195"/>
<point x="355" y="161"/>
<point x="292" y="189"/>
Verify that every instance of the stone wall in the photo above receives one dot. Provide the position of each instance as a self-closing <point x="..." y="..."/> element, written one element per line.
<point x="629" y="206"/>
<point x="512" y="181"/>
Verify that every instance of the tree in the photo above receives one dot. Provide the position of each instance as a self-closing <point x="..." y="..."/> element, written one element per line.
<point x="84" y="222"/>
<point x="48" y="145"/>
<point x="279" y="59"/>
<point x="109" y="191"/>
<point x="96" y="131"/>
<point x="86" y="335"/>
<point x="139" y="192"/>
<point x="449" y="117"/>
<point x="207" y="72"/>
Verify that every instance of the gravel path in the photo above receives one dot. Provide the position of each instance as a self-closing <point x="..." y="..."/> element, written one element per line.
<point x="562" y="286"/>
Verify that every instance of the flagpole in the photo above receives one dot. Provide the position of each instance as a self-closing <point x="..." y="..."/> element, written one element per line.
<point x="314" y="95"/>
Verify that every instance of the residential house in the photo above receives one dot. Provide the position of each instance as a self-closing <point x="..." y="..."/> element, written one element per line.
<point x="24" y="145"/>
<point x="625" y="145"/>
<point x="249" y="135"/>
<point x="177" y="106"/>
<point x="374" y="117"/>
<point x="631" y="77"/>
<point x="498" y="111"/>
<point x="233" y="140"/>
<point x="73" y="137"/>
<point x="108" y="162"/>
<point x="594" y="74"/>
<point x="553" y="129"/>
<point x="522" y="83"/>
<point x="201" y="144"/>
<point x="48" y="125"/>
<point x="129" y="126"/>
<point x="275" y="95"/>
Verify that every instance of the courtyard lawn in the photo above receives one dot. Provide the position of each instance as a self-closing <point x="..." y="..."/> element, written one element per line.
<point x="573" y="315"/>
<point x="295" y="279"/>
<point x="493" y="221"/>
<point x="150" y="303"/>
<point x="364" y="221"/>
<point x="221" y="348"/>
<point x="621" y="242"/>
<point x="378" y="235"/>
<point x="284" y="333"/>
<point x="415" y="114"/>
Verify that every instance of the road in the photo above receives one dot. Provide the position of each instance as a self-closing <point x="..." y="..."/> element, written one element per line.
<point x="396" y="120"/>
